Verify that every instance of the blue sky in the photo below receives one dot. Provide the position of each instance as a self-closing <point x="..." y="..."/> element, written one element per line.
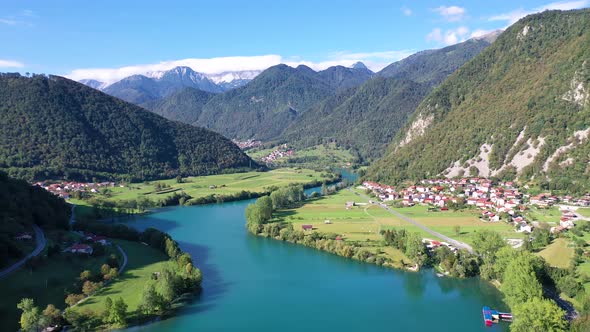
<point x="110" y="39"/>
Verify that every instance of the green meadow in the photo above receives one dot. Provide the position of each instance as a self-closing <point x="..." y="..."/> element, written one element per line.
<point x="143" y="261"/>
<point x="48" y="283"/>
<point x="203" y="186"/>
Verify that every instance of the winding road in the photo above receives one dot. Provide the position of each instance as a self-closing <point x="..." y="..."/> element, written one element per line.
<point x="40" y="238"/>
<point x="454" y="242"/>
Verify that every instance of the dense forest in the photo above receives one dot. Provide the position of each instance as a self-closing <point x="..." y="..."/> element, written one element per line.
<point x="366" y="118"/>
<point x="520" y="108"/>
<point x="53" y="127"/>
<point x="22" y="205"/>
<point x="185" y="105"/>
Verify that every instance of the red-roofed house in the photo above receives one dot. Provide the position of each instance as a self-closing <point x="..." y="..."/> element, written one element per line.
<point x="81" y="249"/>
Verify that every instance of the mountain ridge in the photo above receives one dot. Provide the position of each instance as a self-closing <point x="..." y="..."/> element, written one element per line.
<point x="520" y="109"/>
<point x="52" y="127"/>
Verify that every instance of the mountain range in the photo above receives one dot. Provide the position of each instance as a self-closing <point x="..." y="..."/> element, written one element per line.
<point x="264" y="107"/>
<point x="156" y="85"/>
<point x="54" y="127"/>
<point x="366" y="118"/>
<point x="520" y="109"/>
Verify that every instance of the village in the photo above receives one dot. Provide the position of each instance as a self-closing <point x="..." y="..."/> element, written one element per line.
<point x="501" y="201"/>
<point x="66" y="188"/>
<point x="281" y="151"/>
<point x="249" y="144"/>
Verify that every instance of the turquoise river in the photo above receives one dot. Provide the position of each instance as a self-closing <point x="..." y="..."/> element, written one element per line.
<point x="258" y="284"/>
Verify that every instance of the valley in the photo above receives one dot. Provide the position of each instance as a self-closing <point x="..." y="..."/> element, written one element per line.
<point x="409" y="183"/>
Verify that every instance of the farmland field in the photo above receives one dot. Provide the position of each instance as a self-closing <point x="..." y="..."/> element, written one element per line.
<point x="203" y="186"/>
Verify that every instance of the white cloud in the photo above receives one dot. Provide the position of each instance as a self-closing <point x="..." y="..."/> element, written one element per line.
<point x="515" y="15"/>
<point x="374" y="60"/>
<point x="451" y="13"/>
<point x="10" y="64"/>
<point x="448" y="37"/>
<point x="406" y="11"/>
<point x="8" y="21"/>
<point x="29" y="13"/>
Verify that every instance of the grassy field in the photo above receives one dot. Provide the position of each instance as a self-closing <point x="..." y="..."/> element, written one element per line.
<point x="559" y="253"/>
<point x="584" y="212"/>
<point x="143" y="261"/>
<point x="313" y="156"/>
<point x="445" y="222"/>
<point x="47" y="284"/>
<point x="549" y="215"/>
<point x="363" y="222"/>
<point x="360" y="223"/>
<point x="224" y="184"/>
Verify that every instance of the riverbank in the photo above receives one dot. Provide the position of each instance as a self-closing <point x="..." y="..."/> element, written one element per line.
<point x="253" y="279"/>
<point x="136" y="198"/>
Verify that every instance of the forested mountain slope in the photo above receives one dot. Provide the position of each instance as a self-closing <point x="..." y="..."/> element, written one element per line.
<point x="22" y="205"/>
<point x="520" y="108"/>
<point x="366" y="118"/>
<point x="184" y="106"/>
<point x="265" y="106"/>
<point x="54" y="127"/>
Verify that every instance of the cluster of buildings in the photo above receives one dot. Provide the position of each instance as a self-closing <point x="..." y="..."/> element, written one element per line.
<point x="85" y="248"/>
<point x="494" y="199"/>
<point x="64" y="189"/>
<point x="249" y="144"/>
<point x="433" y="244"/>
<point x="280" y="152"/>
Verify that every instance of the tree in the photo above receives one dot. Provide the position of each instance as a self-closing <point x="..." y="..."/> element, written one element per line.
<point x="51" y="315"/>
<point x="90" y="287"/>
<point x="520" y="280"/>
<point x="538" y="314"/>
<point x="503" y="258"/>
<point x="85" y="275"/>
<point x="105" y="269"/>
<point x="30" y="318"/>
<point x="151" y="301"/>
<point x="415" y="249"/>
<point x="486" y="243"/>
<point x="72" y="299"/>
<point x="541" y="237"/>
<point x="108" y="304"/>
<point x="253" y="215"/>
<point x="117" y="313"/>
<point x="167" y="286"/>
<point x="264" y="204"/>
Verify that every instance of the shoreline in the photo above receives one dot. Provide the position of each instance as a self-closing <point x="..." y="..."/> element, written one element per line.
<point x="225" y="199"/>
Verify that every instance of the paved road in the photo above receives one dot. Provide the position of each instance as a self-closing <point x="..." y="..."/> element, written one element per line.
<point x="73" y="214"/>
<point x="124" y="264"/>
<point x="40" y="238"/>
<point x="456" y="243"/>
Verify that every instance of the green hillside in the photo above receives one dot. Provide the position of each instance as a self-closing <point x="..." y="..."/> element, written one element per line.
<point x="365" y="119"/>
<point x="519" y="108"/>
<point x="184" y="106"/>
<point x="22" y="205"/>
<point x="53" y="127"/>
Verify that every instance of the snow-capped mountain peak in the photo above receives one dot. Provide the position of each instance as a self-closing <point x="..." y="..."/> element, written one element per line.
<point x="230" y="76"/>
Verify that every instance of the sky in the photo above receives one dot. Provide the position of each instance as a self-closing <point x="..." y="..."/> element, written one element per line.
<point x="108" y="40"/>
